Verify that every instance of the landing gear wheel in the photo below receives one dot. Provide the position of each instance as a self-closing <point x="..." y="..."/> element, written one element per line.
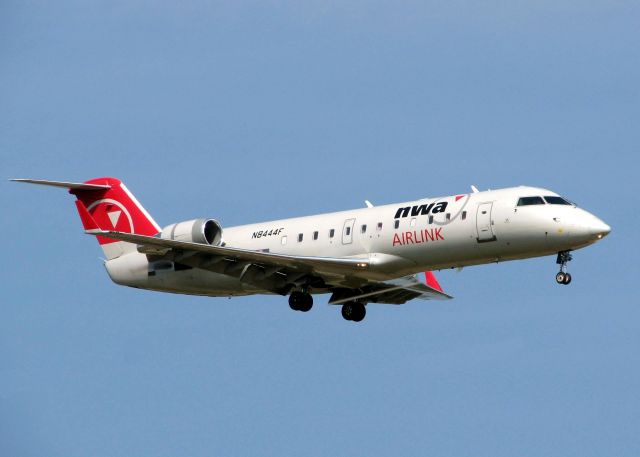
<point x="300" y="301"/>
<point x="307" y="303"/>
<point x="563" y="277"/>
<point x="354" y="311"/>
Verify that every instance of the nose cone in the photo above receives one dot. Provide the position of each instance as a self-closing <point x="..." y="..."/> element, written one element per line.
<point x="590" y="227"/>
<point x="599" y="229"/>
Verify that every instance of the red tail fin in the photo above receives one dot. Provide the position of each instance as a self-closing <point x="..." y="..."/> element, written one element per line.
<point x="107" y="204"/>
<point x="114" y="208"/>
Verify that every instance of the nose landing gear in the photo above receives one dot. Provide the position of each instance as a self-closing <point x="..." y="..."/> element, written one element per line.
<point x="563" y="277"/>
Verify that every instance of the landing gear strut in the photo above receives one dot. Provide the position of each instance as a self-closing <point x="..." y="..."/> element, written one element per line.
<point x="300" y="301"/>
<point x="563" y="258"/>
<point x="354" y="311"/>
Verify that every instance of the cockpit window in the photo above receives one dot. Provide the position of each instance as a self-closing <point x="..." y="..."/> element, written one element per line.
<point x="553" y="200"/>
<point x="526" y="201"/>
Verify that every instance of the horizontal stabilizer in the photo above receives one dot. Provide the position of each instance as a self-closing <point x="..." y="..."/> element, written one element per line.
<point x="65" y="184"/>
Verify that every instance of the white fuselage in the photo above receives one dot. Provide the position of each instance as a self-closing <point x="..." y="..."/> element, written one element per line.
<point x="397" y="240"/>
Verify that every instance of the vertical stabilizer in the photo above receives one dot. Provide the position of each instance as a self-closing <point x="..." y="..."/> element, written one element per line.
<point x="111" y="207"/>
<point x="116" y="209"/>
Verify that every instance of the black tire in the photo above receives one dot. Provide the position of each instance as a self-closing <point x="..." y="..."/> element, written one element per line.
<point x="560" y="277"/>
<point x="347" y="311"/>
<point x="567" y="279"/>
<point x="306" y="304"/>
<point x="353" y="311"/>
<point x="295" y="300"/>
<point x="361" y="312"/>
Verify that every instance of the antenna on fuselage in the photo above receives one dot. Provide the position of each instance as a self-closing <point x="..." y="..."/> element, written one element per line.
<point x="474" y="189"/>
<point x="368" y="203"/>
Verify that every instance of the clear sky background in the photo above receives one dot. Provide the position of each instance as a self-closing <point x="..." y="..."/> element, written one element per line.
<point x="247" y="111"/>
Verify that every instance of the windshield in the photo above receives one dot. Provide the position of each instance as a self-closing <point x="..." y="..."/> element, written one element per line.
<point x="553" y="200"/>
<point x="526" y="201"/>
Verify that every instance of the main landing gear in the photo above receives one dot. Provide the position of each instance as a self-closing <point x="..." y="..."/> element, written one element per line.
<point x="563" y="258"/>
<point x="300" y="301"/>
<point x="354" y="311"/>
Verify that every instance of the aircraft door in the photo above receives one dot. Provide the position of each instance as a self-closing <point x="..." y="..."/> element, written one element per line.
<point x="347" y="231"/>
<point x="484" y="223"/>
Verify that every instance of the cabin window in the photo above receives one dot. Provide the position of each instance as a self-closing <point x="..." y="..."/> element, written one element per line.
<point x="464" y="215"/>
<point x="553" y="200"/>
<point x="413" y="222"/>
<point x="528" y="201"/>
<point x="315" y="235"/>
<point x="379" y="226"/>
<point x="283" y="240"/>
<point x="332" y="233"/>
<point x="300" y="237"/>
<point x="396" y="223"/>
<point x="363" y="229"/>
<point x="431" y="219"/>
<point x="347" y="231"/>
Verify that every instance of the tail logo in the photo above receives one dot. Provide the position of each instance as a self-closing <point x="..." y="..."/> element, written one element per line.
<point x="107" y="214"/>
<point x="114" y="216"/>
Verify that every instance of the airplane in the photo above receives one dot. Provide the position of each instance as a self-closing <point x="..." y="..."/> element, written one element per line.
<point x="374" y="254"/>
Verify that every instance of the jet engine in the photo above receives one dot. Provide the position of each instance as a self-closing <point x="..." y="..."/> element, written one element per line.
<point x="203" y="231"/>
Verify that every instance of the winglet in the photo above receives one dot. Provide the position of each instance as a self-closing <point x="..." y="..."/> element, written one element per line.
<point x="88" y="222"/>
<point x="432" y="281"/>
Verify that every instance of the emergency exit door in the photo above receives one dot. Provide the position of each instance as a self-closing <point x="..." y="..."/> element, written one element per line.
<point x="347" y="231"/>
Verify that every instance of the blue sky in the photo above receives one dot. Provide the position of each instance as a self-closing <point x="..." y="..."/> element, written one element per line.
<point x="247" y="111"/>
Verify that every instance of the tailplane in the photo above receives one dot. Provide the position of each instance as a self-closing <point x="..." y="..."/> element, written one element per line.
<point x="112" y="208"/>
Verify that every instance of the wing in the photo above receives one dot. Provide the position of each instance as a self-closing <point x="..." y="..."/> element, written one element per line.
<point x="159" y="246"/>
<point x="396" y="291"/>
<point x="277" y="273"/>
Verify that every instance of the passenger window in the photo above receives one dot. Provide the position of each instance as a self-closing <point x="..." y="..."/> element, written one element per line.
<point x="283" y="241"/>
<point x="448" y="216"/>
<point x="430" y="219"/>
<point x="553" y="200"/>
<point x="363" y="229"/>
<point x="528" y="201"/>
<point x="300" y="236"/>
<point x="332" y="232"/>
<point x="379" y="226"/>
<point x="315" y="235"/>
<point x="396" y="223"/>
<point x="464" y="215"/>
<point x="413" y="222"/>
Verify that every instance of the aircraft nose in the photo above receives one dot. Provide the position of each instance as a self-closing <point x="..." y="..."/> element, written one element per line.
<point x="600" y="229"/>
<point x="586" y="227"/>
<point x="594" y="227"/>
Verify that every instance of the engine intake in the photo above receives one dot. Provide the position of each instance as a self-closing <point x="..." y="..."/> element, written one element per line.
<point x="203" y="231"/>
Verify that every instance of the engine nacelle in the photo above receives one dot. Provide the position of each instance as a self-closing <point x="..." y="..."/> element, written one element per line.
<point x="203" y="231"/>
